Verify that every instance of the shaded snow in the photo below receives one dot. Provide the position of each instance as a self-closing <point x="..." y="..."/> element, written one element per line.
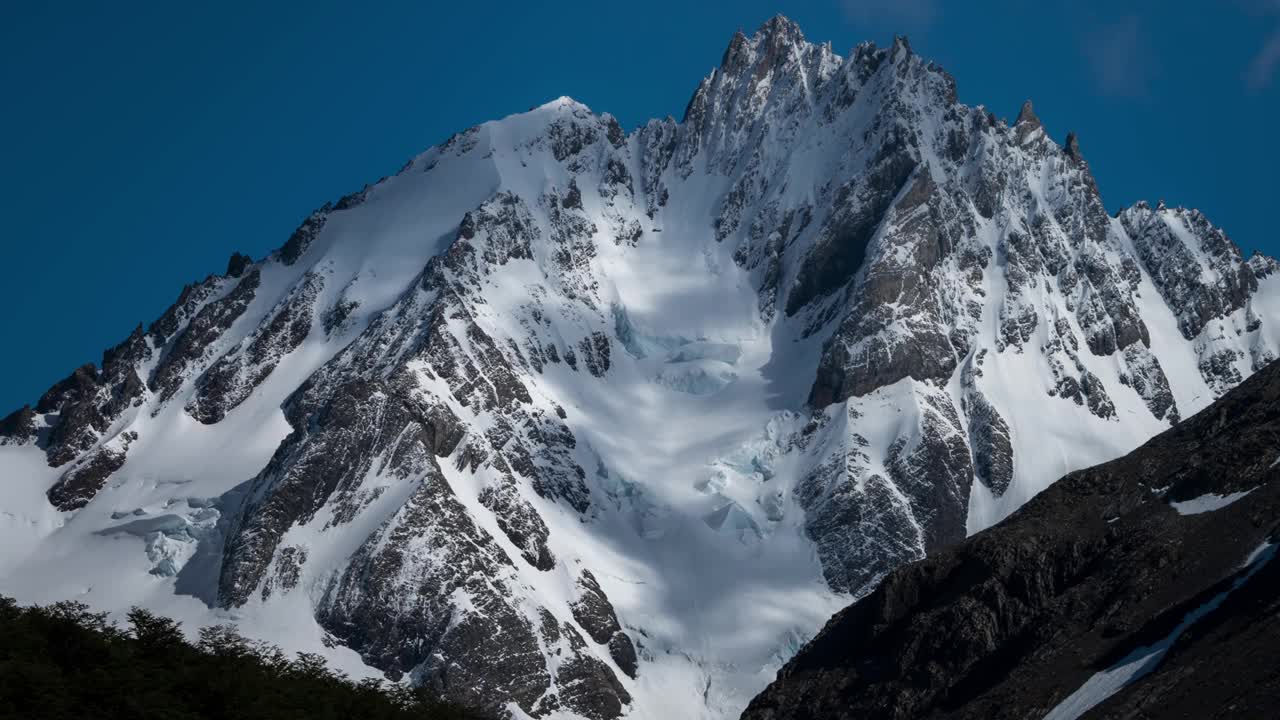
<point x="1207" y="503"/>
<point x="1144" y="660"/>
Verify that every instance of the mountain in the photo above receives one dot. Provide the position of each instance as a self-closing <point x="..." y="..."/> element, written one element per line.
<point x="1143" y="587"/>
<point x="568" y="420"/>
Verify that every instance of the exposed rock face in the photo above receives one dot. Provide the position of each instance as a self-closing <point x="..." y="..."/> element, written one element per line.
<point x="393" y="603"/>
<point x="590" y="688"/>
<point x="84" y="403"/>
<point x="80" y="420"/>
<point x="513" y="420"/>
<point x="238" y="263"/>
<point x="302" y="238"/>
<point x="1106" y="562"/>
<point x="18" y="426"/>
<point x="208" y="324"/>
<point x="1207" y="279"/>
<point x="81" y="482"/>
<point x="237" y="373"/>
<point x="332" y="459"/>
<point x="623" y="652"/>
<point x="934" y="469"/>
<point x="595" y="614"/>
<point x="989" y="434"/>
<point x="871" y="508"/>
<point x="593" y="611"/>
<point x="1147" y="378"/>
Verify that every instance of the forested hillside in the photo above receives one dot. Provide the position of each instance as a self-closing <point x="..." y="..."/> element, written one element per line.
<point x="64" y="661"/>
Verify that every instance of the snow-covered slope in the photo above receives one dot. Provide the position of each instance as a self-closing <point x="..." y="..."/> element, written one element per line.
<point x="581" y="422"/>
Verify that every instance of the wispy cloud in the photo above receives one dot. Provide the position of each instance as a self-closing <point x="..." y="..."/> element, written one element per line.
<point x="1120" y="57"/>
<point x="898" y="14"/>
<point x="1264" y="63"/>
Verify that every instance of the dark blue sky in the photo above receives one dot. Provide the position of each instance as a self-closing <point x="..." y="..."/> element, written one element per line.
<point x="142" y="143"/>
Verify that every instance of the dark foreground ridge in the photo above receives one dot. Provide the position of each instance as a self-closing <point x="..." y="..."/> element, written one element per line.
<point x="1156" y="551"/>
<point x="66" y="662"/>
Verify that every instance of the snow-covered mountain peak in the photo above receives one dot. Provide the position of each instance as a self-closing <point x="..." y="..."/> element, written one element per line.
<point x="564" y="102"/>
<point x="579" y="422"/>
<point x="775" y="39"/>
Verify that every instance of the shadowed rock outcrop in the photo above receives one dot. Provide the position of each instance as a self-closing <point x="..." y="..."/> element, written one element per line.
<point x="18" y="426"/>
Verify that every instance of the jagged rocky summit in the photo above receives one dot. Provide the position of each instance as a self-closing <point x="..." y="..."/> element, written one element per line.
<point x="566" y="420"/>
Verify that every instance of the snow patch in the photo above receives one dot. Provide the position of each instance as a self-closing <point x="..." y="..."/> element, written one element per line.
<point x="1207" y="503"/>
<point x="1144" y="660"/>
